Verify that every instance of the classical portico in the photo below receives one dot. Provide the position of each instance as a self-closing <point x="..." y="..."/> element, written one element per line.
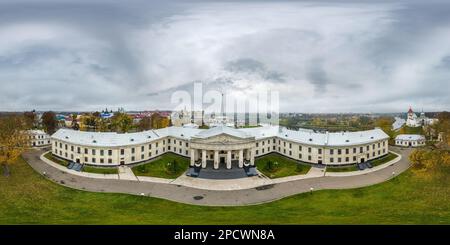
<point x="221" y="147"/>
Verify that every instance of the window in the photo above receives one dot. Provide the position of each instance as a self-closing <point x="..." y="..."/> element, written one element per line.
<point x="150" y="146"/>
<point x="354" y="150"/>
<point x="331" y="151"/>
<point x="354" y="158"/>
<point x="71" y="148"/>
<point x="300" y="156"/>
<point x="93" y="160"/>
<point x="133" y="158"/>
<point x="309" y="158"/>
<point x="85" y="159"/>
<point x="133" y="150"/>
<point x="187" y="144"/>
<point x="168" y="148"/>
<point x="168" y="141"/>
<point x="101" y="160"/>
<point x="320" y="151"/>
<point x="331" y="160"/>
<point x="102" y="152"/>
<point x="109" y="152"/>
<point x="256" y="144"/>
<point x="367" y="148"/>
<point x="339" y="159"/>
<point x="156" y="144"/>
<point x="273" y="141"/>
<point x="309" y="149"/>
<point x="339" y="151"/>
<point x="122" y="151"/>
<point x="78" y="150"/>
<point x="110" y="160"/>
<point x="93" y="152"/>
<point x="181" y="143"/>
<point x="256" y="152"/>
<point x="142" y="156"/>
<point x="360" y="149"/>
<point x="85" y="151"/>
<point x="142" y="148"/>
<point x="284" y="144"/>
<point x="300" y="148"/>
<point x="290" y="153"/>
<point x="65" y="146"/>
<point x="290" y="145"/>
<point x="347" y="151"/>
<point x="347" y="159"/>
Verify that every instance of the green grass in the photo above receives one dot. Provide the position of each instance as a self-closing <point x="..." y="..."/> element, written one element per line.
<point x="390" y="156"/>
<point x="410" y="130"/>
<point x="159" y="167"/>
<point x="342" y="169"/>
<point x="285" y="166"/>
<point x="59" y="161"/>
<point x="100" y="170"/>
<point x="28" y="198"/>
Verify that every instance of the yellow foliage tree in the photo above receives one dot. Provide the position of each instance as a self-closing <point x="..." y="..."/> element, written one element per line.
<point x="14" y="140"/>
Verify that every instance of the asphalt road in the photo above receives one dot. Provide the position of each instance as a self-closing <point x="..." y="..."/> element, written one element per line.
<point x="216" y="197"/>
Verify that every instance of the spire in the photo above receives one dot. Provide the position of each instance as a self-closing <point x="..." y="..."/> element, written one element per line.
<point x="410" y="110"/>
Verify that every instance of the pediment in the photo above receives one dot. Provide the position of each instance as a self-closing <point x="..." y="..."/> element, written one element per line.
<point x="222" y="138"/>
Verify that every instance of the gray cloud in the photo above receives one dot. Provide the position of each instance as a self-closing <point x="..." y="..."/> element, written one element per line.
<point x="357" y="55"/>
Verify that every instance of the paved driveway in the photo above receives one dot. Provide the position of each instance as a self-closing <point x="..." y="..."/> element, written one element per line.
<point x="191" y="195"/>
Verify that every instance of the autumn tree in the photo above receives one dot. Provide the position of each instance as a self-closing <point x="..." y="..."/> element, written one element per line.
<point x="49" y="122"/>
<point x="122" y="122"/>
<point x="30" y="119"/>
<point x="14" y="140"/>
<point x="434" y="161"/>
<point x="145" y="123"/>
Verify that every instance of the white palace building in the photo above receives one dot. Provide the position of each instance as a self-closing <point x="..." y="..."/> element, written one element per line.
<point x="219" y="147"/>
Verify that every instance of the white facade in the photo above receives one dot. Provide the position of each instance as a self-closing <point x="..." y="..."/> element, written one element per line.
<point x="39" y="138"/>
<point x="220" y="146"/>
<point x="413" y="120"/>
<point x="410" y="140"/>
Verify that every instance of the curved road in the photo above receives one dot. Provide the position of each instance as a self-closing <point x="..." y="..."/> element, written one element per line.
<point x="185" y="194"/>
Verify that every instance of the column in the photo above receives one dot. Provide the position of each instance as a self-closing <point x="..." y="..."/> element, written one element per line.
<point x="229" y="159"/>
<point x="216" y="159"/>
<point x="192" y="157"/>
<point x="203" y="158"/>
<point x="252" y="157"/>
<point x="241" y="158"/>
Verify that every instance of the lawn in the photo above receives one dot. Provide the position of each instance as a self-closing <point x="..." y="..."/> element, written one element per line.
<point x="281" y="166"/>
<point x="385" y="159"/>
<point x="160" y="168"/>
<point x="342" y="169"/>
<point x="390" y="156"/>
<point x="52" y="158"/>
<point x="28" y="198"/>
<point x="100" y="170"/>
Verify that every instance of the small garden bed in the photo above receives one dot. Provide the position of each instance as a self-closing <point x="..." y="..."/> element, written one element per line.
<point x="277" y="166"/>
<point x="100" y="170"/>
<point x="57" y="160"/>
<point x="167" y="166"/>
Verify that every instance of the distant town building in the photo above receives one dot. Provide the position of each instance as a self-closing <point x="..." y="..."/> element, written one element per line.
<point x="410" y="140"/>
<point x="412" y="120"/>
<point x="398" y="124"/>
<point x="38" y="138"/>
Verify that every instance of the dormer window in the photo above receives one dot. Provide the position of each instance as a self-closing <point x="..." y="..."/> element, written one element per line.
<point x="131" y="140"/>
<point x="149" y="136"/>
<point x="347" y="140"/>
<point x="94" y="141"/>
<point x="67" y="137"/>
<point x="310" y="139"/>
<point x="371" y="137"/>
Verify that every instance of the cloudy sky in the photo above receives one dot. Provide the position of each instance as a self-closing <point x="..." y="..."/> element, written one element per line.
<point x="321" y="56"/>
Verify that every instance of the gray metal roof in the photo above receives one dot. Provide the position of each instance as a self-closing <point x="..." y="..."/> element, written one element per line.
<point x="301" y="136"/>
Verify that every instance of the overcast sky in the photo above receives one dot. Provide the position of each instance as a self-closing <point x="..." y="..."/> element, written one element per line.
<point x="321" y="56"/>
